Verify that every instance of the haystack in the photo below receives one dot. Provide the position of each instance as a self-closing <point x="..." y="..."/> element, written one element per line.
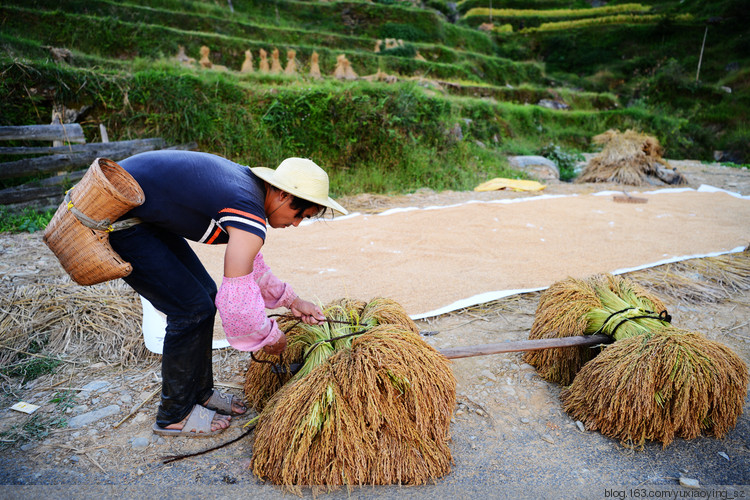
<point x="373" y="408"/>
<point x="344" y="70"/>
<point x="263" y="67"/>
<point x="315" y="66"/>
<point x="658" y="386"/>
<point x="629" y="158"/>
<point x="602" y="303"/>
<point x="291" y="62"/>
<point x="275" y="63"/>
<point x="247" y="64"/>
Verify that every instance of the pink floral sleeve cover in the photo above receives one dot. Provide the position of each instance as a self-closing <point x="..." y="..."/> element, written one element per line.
<point x="242" y="304"/>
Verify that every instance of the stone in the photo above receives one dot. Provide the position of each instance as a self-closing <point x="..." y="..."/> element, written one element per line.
<point x="689" y="482"/>
<point x="96" y="385"/>
<point x="538" y="167"/>
<point x="552" y="104"/>
<point x="93" y="416"/>
<point x="140" y="443"/>
<point x="580" y="426"/>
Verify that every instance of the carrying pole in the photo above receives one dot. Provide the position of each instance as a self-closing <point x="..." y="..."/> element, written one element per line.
<point x="525" y="345"/>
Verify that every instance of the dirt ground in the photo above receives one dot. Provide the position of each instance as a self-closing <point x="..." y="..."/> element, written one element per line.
<point x="510" y="436"/>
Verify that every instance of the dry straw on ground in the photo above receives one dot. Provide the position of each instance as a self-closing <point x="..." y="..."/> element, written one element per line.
<point x="629" y="158"/>
<point x="97" y="323"/>
<point x="658" y="386"/>
<point x="376" y="410"/>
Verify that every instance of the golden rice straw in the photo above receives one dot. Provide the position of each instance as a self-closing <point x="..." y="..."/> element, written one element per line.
<point x="378" y="413"/>
<point x="627" y="157"/>
<point x="658" y="386"/>
<point x="101" y="322"/>
<point x="563" y="311"/>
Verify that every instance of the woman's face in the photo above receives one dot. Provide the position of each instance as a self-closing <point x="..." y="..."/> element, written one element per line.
<point x="284" y="215"/>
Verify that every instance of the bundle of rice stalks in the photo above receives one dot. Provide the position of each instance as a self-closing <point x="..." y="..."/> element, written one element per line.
<point x="658" y="386"/>
<point x="629" y="158"/>
<point x="602" y="303"/>
<point x="347" y="316"/>
<point x="376" y="412"/>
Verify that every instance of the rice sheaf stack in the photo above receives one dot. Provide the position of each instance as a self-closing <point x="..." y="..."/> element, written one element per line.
<point x="373" y="408"/>
<point x="655" y="382"/>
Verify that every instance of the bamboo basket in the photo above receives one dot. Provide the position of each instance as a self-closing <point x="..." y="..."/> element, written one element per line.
<point x="105" y="193"/>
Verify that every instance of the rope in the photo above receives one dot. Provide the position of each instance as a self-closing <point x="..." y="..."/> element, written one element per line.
<point x="101" y="225"/>
<point x="663" y="316"/>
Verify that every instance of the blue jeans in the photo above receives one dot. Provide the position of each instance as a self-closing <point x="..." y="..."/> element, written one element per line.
<point x="167" y="272"/>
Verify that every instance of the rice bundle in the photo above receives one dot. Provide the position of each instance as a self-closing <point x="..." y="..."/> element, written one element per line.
<point x="629" y="158"/>
<point x="374" y="410"/>
<point x="260" y="381"/>
<point x="602" y="303"/>
<point x="658" y="386"/>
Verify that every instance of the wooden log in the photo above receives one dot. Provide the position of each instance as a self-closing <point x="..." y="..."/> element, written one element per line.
<point x="524" y="345"/>
<point x="82" y="157"/>
<point x="54" y="187"/>
<point x="69" y="132"/>
<point x="100" y="148"/>
<point x="11" y="196"/>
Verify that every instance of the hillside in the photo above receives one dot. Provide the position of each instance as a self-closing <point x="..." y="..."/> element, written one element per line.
<point x="442" y="93"/>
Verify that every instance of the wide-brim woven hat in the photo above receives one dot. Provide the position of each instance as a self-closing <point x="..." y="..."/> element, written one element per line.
<point x="302" y="178"/>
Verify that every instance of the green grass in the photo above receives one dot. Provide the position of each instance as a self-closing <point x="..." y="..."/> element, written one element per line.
<point x="26" y="221"/>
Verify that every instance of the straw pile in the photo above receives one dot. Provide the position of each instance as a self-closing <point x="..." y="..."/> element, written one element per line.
<point x="374" y="408"/>
<point x="575" y="307"/>
<point x="696" y="281"/>
<point x="629" y="158"/>
<point x="658" y="386"/>
<point x="101" y="322"/>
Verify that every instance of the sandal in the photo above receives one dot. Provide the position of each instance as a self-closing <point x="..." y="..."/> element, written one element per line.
<point x="197" y="424"/>
<point x="222" y="403"/>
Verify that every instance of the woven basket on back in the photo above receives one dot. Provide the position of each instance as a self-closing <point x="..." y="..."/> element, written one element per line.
<point x="105" y="192"/>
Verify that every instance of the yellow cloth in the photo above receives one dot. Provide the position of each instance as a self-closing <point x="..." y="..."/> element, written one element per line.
<point x="514" y="184"/>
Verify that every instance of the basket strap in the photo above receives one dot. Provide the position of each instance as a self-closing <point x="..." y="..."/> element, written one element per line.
<point x="102" y="225"/>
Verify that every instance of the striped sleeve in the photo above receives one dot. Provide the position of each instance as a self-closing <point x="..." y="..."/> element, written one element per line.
<point x="240" y="219"/>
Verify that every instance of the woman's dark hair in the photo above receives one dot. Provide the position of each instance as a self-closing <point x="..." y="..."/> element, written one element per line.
<point x="301" y="206"/>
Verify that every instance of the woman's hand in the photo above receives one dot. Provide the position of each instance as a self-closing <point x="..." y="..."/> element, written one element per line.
<point x="277" y="348"/>
<point x="307" y="311"/>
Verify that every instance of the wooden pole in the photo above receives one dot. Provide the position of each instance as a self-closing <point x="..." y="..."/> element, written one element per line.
<point x="524" y="345"/>
<point x="700" y="59"/>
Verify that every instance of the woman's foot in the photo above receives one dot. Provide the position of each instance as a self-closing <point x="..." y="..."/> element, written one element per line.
<point x="217" y="423"/>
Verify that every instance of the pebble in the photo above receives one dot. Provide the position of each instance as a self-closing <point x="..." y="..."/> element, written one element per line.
<point x="723" y="455"/>
<point x="488" y="375"/>
<point x="140" y="443"/>
<point x="93" y="416"/>
<point x="525" y="420"/>
<point x="74" y="459"/>
<point x="580" y="426"/>
<point x="689" y="482"/>
<point x="548" y="438"/>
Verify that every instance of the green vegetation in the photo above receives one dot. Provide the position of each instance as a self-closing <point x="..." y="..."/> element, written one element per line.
<point x="39" y="425"/>
<point x="463" y="101"/>
<point x="24" y="221"/>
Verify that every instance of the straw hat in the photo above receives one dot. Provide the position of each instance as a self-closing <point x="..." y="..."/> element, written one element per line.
<point x="302" y="178"/>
